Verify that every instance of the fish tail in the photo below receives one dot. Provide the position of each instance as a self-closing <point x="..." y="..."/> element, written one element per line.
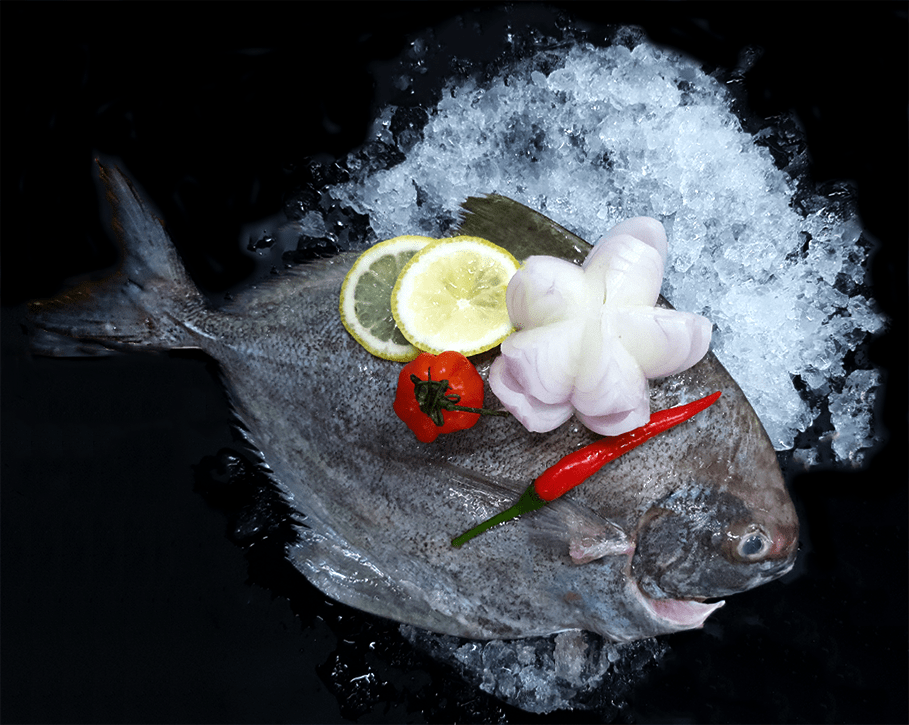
<point x="146" y="303"/>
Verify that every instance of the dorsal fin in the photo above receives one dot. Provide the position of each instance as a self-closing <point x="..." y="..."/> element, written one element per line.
<point x="315" y="275"/>
<point x="522" y="231"/>
<point x="519" y="229"/>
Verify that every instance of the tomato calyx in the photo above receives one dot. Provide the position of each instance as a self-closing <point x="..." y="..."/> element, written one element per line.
<point x="430" y="390"/>
<point x="432" y="400"/>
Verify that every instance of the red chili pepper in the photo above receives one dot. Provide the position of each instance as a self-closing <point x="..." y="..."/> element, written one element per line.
<point x="429" y="390"/>
<point x="577" y="467"/>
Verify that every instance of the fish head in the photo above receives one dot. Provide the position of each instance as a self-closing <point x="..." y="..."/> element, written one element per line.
<point x="697" y="544"/>
<point x="717" y="522"/>
<point x="702" y="543"/>
<point x="727" y="524"/>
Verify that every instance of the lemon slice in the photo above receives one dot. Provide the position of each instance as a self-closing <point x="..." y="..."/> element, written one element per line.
<point x="366" y="297"/>
<point x="451" y="296"/>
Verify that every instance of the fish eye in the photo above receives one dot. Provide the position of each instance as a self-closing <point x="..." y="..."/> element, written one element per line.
<point x="752" y="546"/>
<point x="749" y="543"/>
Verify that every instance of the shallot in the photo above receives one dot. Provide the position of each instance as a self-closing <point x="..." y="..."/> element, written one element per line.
<point x="588" y="338"/>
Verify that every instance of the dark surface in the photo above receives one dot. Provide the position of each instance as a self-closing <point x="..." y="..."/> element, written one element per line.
<point x="122" y="598"/>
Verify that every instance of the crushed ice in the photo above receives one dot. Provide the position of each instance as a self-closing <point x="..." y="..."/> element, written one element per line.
<point x="591" y="136"/>
<point x="570" y="670"/>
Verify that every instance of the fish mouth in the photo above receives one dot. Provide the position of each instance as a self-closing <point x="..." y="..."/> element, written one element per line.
<point x="678" y="613"/>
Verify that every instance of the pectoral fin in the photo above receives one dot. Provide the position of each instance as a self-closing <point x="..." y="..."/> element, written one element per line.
<point x="585" y="535"/>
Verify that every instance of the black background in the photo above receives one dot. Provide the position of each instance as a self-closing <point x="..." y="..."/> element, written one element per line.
<point x="122" y="598"/>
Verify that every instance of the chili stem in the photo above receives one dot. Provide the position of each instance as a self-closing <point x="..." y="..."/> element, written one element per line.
<point x="529" y="501"/>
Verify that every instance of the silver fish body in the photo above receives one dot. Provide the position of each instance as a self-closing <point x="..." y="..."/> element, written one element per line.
<point x="697" y="513"/>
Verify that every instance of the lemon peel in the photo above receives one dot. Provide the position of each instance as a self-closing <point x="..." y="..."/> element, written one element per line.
<point x="365" y="303"/>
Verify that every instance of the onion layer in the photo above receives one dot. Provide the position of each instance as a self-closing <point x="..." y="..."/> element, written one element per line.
<point x="588" y="338"/>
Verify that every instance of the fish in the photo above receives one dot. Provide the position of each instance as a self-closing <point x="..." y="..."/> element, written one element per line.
<point x="647" y="546"/>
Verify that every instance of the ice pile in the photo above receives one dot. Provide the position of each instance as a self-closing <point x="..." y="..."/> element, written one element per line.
<point x="572" y="670"/>
<point x="591" y="136"/>
<point x="850" y="413"/>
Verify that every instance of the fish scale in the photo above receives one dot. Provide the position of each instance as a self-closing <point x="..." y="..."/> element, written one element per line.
<point x="379" y="508"/>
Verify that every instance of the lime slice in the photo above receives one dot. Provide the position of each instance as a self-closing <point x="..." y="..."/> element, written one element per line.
<point x="451" y="296"/>
<point x="366" y="297"/>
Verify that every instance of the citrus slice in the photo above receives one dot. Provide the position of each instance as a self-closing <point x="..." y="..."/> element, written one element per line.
<point x="366" y="297"/>
<point x="451" y="296"/>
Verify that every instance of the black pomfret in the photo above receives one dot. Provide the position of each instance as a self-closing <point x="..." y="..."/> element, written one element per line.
<point x="699" y="512"/>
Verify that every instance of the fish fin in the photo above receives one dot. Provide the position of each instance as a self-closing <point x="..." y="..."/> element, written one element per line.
<point x="305" y="278"/>
<point x="519" y="229"/>
<point x="144" y="303"/>
<point x="588" y="535"/>
<point x="385" y="588"/>
<point x="44" y="342"/>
